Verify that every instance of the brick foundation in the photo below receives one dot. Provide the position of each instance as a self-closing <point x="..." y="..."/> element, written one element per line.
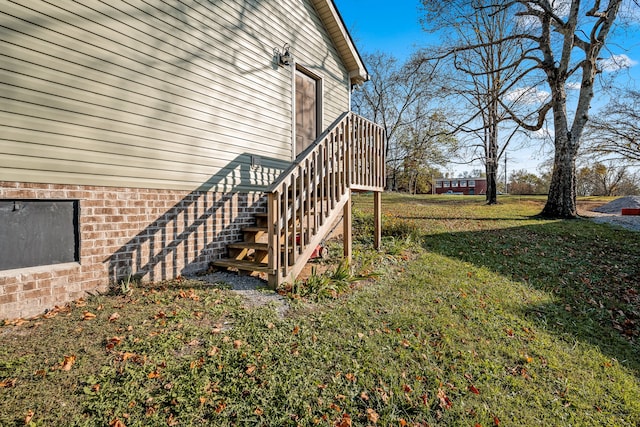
<point x="150" y="234"/>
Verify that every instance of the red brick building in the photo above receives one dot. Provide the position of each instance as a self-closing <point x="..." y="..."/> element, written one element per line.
<point x="466" y="186"/>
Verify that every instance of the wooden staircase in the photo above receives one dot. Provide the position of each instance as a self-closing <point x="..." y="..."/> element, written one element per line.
<point x="250" y="255"/>
<point x="307" y="199"/>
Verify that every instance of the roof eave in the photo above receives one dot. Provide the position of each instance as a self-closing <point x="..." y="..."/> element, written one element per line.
<point x="342" y="39"/>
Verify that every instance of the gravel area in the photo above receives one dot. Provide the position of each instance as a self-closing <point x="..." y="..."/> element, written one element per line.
<point x="610" y="213"/>
<point x="254" y="290"/>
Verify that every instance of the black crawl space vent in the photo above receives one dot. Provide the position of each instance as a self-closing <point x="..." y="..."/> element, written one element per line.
<point x="38" y="232"/>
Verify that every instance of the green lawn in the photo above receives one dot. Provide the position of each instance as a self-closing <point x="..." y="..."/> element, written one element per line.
<point x="477" y="316"/>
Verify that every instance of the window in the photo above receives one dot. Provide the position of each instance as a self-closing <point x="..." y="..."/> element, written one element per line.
<point x="438" y="184"/>
<point x="463" y="183"/>
<point x="454" y="183"/>
<point x="472" y="183"/>
<point x="446" y="184"/>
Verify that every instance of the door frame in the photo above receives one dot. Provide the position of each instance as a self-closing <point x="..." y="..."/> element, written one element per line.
<point x="299" y="68"/>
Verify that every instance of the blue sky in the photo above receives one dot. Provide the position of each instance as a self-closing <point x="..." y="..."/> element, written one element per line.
<point x="387" y="26"/>
<point x="393" y="27"/>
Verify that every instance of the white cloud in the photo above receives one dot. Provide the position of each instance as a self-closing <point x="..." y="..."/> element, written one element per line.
<point x="527" y="95"/>
<point x="616" y="63"/>
<point x="573" y="86"/>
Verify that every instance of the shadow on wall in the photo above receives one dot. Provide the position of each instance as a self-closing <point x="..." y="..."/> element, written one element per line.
<point x="197" y="229"/>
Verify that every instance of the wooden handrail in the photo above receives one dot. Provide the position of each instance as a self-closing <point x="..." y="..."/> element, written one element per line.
<point x="307" y="197"/>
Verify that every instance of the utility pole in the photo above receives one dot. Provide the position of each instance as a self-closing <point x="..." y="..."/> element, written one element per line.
<point x="506" y="189"/>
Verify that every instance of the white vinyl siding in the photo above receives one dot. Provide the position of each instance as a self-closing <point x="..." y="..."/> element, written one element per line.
<point x="174" y="95"/>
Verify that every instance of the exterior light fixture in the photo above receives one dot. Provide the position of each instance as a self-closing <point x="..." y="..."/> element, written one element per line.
<point x="285" y="57"/>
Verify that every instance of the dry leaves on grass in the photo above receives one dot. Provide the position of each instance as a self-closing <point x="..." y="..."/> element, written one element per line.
<point x="8" y="382"/>
<point x="68" y="362"/>
<point x="372" y="415"/>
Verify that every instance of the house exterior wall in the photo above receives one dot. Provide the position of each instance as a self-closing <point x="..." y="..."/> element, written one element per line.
<point x="466" y="186"/>
<point x="164" y="120"/>
<point x="157" y="95"/>
<point x="152" y="234"/>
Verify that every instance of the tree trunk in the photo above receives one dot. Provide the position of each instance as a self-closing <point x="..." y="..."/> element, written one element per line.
<point x="561" y="202"/>
<point x="491" y="144"/>
<point x="492" y="181"/>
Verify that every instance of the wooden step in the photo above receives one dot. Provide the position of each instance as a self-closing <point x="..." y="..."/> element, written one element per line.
<point x="249" y="245"/>
<point x="255" y="229"/>
<point x="241" y="265"/>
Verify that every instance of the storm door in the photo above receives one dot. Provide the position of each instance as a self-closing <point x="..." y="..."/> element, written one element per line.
<point x="307" y="113"/>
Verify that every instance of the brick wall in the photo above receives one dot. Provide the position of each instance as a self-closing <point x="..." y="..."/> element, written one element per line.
<point x="151" y="234"/>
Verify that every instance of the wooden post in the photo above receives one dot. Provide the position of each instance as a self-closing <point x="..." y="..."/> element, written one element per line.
<point x="347" y="238"/>
<point x="377" y="219"/>
<point x="273" y="219"/>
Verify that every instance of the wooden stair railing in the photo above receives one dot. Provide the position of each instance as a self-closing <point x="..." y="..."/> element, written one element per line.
<point x="307" y="199"/>
<point x="309" y="196"/>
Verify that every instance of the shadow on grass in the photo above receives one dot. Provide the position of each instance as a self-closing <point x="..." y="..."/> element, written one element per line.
<point x="452" y="217"/>
<point x="591" y="270"/>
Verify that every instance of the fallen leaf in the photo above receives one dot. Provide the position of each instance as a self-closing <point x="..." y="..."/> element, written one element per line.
<point x="68" y="362"/>
<point x="29" y="417"/>
<point x="8" y="382"/>
<point x="258" y="411"/>
<point x="364" y="396"/>
<point x="345" y="422"/>
<point x="213" y="351"/>
<point x="350" y="377"/>
<point x="153" y="374"/>
<point x="250" y="369"/>
<point x="402" y="422"/>
<point x="114" y="341"/>
<point x="372" y="415"/>
<point x="114" y="317"/>
<point x="296" y="330"/>
<point x="87" y="315"/>
<point x="445" y="402"/>
<point x="237" y="344"/>
<point x="171" y="421"/>
<point x="116" y="423"/>
<point x="473" y="389"/>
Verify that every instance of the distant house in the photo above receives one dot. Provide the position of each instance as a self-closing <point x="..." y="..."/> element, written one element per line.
<point x="151" y="139"/>
<point x="466" y="186"/>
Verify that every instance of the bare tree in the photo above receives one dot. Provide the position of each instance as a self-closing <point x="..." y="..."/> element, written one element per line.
<point x="398" y="98"/>
<point x="478" y="80"/>
<point x="561" y="42"/>
<point x="615" y="132"/>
